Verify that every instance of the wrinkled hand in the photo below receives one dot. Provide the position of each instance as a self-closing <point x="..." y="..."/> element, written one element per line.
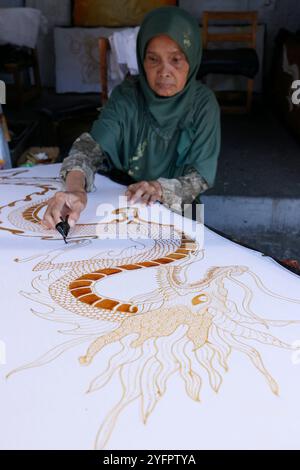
<point x="146" y="192"/>
<point x="64" y="203"/>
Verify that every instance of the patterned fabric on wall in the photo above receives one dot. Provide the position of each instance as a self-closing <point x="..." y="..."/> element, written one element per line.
<point x="77" y="59"/>
<point x="117" y="13"/>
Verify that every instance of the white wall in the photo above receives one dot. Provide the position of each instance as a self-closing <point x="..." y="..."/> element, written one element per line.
<point x="58" y="13"/>
<point x="11" y="3"/>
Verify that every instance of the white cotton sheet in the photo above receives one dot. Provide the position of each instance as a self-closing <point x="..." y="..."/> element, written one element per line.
<point x="122" y="58"/>
<point x="209" y="360"/>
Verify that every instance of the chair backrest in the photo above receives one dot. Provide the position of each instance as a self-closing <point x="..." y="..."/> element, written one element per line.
<point x="104" y="47"/>
<point x="237" y="35"/>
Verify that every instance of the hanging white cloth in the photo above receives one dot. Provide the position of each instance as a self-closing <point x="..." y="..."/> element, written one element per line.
<point x="21" y="26"/>
<point x="122" y="58"/>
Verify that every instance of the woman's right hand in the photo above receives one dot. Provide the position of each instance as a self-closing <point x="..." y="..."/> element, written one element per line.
<point x="64" y="203"/>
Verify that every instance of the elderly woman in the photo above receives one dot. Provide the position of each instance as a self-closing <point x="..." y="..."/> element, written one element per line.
<point x="160" y="131"/>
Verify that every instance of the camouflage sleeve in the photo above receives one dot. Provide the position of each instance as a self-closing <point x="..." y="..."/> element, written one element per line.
<point x="86" y="156"/>
<point x="182" y="190"/>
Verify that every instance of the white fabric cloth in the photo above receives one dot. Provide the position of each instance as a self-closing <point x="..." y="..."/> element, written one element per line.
<point x="122" y="58"/>
<point x="21" y="26"/>
<point x="219" y="325"/>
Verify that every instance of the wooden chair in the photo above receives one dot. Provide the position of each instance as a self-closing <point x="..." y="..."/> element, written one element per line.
<point x="104" y="48"/>
<point x="239" y="61"/>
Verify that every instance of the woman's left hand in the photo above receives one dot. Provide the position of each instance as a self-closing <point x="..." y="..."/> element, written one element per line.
<point x="145" y="192"/>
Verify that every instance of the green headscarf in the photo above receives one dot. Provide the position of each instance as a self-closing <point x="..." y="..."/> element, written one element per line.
<point x="183" y="29"/>
<point x="148" y="136"/>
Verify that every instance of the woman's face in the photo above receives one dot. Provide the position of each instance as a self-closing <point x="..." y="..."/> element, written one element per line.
<point x="166" y="66"/>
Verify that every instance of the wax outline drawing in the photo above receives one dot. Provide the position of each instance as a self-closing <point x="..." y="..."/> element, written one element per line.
<point x="182" y="326"/>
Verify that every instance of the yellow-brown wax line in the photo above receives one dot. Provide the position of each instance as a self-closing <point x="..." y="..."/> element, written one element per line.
<point x="81" y="288"/>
